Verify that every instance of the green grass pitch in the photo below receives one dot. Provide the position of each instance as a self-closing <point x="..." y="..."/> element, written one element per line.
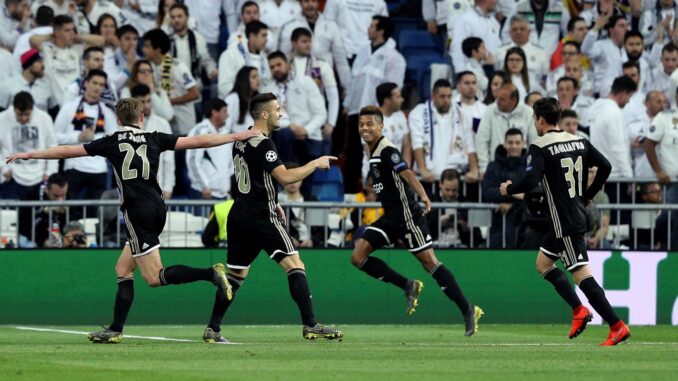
<point x="368" y="352"/>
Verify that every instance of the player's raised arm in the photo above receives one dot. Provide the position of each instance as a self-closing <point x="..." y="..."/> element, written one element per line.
<point x="290" y="176"/>
<point x="213" y="140"/>
<point x="58" y="152"/>
<point x="411" y="179"/>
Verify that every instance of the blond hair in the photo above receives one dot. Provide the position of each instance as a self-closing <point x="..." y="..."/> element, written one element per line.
<point x="129" y="110"/>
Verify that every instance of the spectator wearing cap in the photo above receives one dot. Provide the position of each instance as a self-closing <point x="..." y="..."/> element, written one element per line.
<point x="31" y="79"/>
<point x="24" y="128"/>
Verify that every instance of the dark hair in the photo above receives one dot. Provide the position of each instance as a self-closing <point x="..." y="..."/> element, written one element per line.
<point x="568" y="114"/>
<point x="512" y="131"/>
<point x="103" y="18"/>
<point x="669" y="48"/>
<point x="574" y="20"/>
<point x="214" y="104"/>
<point x="461" y="75"/>
<point x="140" y="90"/>
<point x="631" y="64"/>
<point x="92" y="49"/>
<point x="633" y="33"/>
<point x="531" y="93"/>
<point x="623" y="84"/>
<point x="180" y="5"/>
<point x="132" y="80"/>
<point x="44" y="16"/>
<point x="449" y="175"/>
<point x="241" y="86"/>
<point x="372" y="110"/>
<point x="515" y="94"/>
<point x="523" y="72"/>
<point x="248" y="4"/>
<point x="123" y="30"/>
<point x="300" y="32"/>
<point x="612" y="22"/>
<point x="470" y="44"/>
<point x="384" y="91"/>
<point x="258" y="102"/>
<point x="384" y="23"/>
<point x="644" y="188"/>
<point x="23" y="101"/>
<point x="57" y="179"/>
<point x="573" y="43"/>
<point x="489" y="98"/>
<point x="96" y="73"/>
<point x="547" y="108"/>
<point x="440" y="84"/>
<point x="277" y="54"/>
<point x="158" y="39"/>
<point x="574" y="81"/>
<point x="254" y="27"/>
<point x="61" y="20"/>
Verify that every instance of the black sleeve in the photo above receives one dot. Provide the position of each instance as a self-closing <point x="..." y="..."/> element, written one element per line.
<point x="166" y="142"/>
<point x="533" y="172"/>
<point x="210" y="236"/>
<point x="267" y="154"/>
<point x="489" y="70"/>
<point x="491" y="183"/>
<point x="595" y="159"/>
<point x="101" y="146"/>
<point x="391" y="156"/>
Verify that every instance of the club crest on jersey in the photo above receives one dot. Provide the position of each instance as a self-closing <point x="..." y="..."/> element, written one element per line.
<point x="271" y="156"/>
<point x="376" y="172"/>
<point x="652" y="128"/>
<point x="395" y="158"/>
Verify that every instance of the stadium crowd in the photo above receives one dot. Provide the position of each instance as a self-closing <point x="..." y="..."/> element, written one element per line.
<point x="455" y="80"/>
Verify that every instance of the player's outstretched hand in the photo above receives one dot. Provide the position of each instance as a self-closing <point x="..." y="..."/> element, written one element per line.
<point x="323" y="162"/>
<point x="503" y="188"/>
<point x="17" y="156"/>
<point x="427" y="205"/>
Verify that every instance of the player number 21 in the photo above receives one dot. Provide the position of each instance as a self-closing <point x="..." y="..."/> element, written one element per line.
<point x="572" y="167"/>
<point x="131" y="173"/>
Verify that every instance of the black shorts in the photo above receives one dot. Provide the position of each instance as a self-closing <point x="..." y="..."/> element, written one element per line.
<point x="144" y="226"/>
<point x="413" y="233"/>
<point x="247" y="236"/>
<point x="570" y="249"/>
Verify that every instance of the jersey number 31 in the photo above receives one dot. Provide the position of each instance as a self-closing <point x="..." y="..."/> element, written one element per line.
<point x="574" y="187"/>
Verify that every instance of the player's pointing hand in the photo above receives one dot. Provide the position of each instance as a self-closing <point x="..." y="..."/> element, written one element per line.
<point x="323" y="162"/>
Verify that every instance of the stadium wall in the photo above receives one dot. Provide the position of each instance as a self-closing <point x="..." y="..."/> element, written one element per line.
<point x="57" y="287"/>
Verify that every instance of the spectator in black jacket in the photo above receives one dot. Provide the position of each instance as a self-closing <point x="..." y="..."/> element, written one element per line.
<point x="55" y="190"/>
<point x="509" y="163"/>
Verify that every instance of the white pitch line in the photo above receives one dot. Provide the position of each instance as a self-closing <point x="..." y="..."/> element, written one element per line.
<point x="85" y="333"/>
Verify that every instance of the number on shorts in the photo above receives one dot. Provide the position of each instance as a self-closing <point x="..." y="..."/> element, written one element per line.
<point x="131" y="173"/>
<point x="408" y="236"/>
<point x="242" y="174"/>
<point x="572" y="167"/>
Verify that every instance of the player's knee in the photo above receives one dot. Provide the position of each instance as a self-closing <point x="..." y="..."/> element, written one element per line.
<point x="123" y="271"/>
<point x="152" y="280"/>
<point x="291" y="262"/>
<point x="357" y="258"/>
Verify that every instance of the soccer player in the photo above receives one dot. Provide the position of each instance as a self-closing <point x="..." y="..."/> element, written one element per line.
<point x="256" y="220"/>
<point x="134" y="155"/>
<point x="403" y="221"/>
<point x="561" y="161"/>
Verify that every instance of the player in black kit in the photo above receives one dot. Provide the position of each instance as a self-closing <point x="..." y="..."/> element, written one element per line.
<point x="134" y="155"/>
<point x="403" y="221"/>
<point x="561" y="161"/>
<point x="256" y="220"/>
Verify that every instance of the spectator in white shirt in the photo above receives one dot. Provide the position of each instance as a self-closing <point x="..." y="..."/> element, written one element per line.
<point x="351" y="16"/>
<point x="300" y="137"/>
<point x="81" y="120"/>
<point x="119" y="65"/>
<point x="24" y="128"/>
<point x="440" y="15"/>
<point x="162" y="19"/>
<point x="515" y="65"/>
<point x="662" y="151"/>
<point x="210" y="169"/>
<point x="665" y="12"/>
<point x="497" y="79"/>
<point x="207" y="14"/>
<point x="638" y="129"/>
<point x="60" y="7"/>
<point x="249" y="11"/>
<point x="635" y="107"/>
<point x="479" y="61"/>
<point x="570" y="52"/>
<point x="661" y="75"/>
<point x="173" y="77"/>
<point x="43" y="25"/>
<point x="608" y="129"/>
<point x="569" y="98"/>
<point x="606" y="55"/>
<point x="548" y="20"/>
<point x="440" y="137"/>
<point x="140" y="13"/>
<point x="471" y="107"/>
<point x="89" y="12"/>
<point x="244" y="53"/>
<point x="62" y="51"/>
<point x="569" y="122"/>
<point x="276" y="13"/>
<point x="303" y="63"/>
<point x="152" y="122"/>
<point x="327" y="41"/>
<point x="634" y="48"/>
<point x="142" y="74"/>
<point x="480" y="22"/>
<point x="31" y="80"/>
<point x="13" y="20"/>
<point x="537" y="59"/>
<point x="189" y="46"/>
<point x="92" y="59"/>
<point x="246" y="86"/>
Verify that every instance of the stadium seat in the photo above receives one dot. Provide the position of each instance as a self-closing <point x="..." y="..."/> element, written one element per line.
<point x="8" y="218"/>
<point x="178" y="239"/>
<point x="328" y="185"/>
<point x="405" y="23"/>
<point x="419" y="42"/>
<point x="182" y="222"/>
<point x="419" y="71"/>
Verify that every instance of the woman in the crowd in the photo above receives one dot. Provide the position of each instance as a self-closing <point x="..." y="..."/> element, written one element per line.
<point x="498" y="78"/>
<point x="246" y="86"/>
<point x="515" y="66"/>
<point x="142" y="73"/>
<point x="107" y="28"/>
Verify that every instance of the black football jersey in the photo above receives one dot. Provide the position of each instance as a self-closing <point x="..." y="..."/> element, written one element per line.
<point x="561" y="162"/>
<point x="134" y="155"/>
<point x="253" y="160"/>
<point x="395" y="196"/>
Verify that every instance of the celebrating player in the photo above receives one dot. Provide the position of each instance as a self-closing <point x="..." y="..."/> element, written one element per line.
<point x="561" y="162"/>
<point x="134" y="155"/>
<point x="403" y="221"/>
<point x="255" y="221"/>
